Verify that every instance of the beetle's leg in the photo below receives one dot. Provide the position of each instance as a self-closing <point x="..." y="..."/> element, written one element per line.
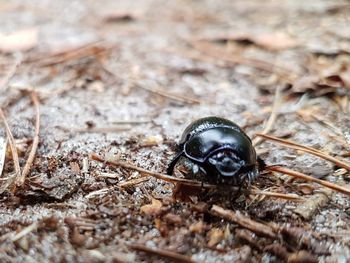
<point x="233" y="195"/>
<point x="170" y="169"/>
<point x="261" y="164"/>
<point x="251" y="175"/>
<point x="195" y="169"/>
<point x="203" y="176"/>
<point x="239" y="190"/>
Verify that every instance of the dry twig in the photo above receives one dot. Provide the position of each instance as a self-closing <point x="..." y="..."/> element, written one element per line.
<point x="170" y="255"/>
<point x="308" y="178"/>
<point x="310" y="150"/>
<point x="157" y="175"/>
<point x="133" y="182"/>
<point x="244" y="221"/>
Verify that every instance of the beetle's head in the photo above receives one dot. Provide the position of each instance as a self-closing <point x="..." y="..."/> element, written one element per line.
<point x="226" y="163"/>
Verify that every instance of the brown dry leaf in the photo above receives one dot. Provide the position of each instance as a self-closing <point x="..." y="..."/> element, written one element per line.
<point x="185" y="192"/>
<point x="173" y="219"/>
<point x="161" y="226"/>
<point x="321" y="86"/>
<point x="22" y="40"/>
<point x="152" y="209"/>
<point x="327" y="77"/>
<point x="305" y="83"/>
<point x="74" y="166"/>
<point x="75" y="237"/>
<point x="216" y="235"/>
<point x="271" y="41"/>
<point x="306" y="189"/>
<point x="313" y="204"/>
<point x="50" y="223"/>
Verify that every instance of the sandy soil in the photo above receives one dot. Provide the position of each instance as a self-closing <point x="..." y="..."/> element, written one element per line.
<point x="144" y="70"/>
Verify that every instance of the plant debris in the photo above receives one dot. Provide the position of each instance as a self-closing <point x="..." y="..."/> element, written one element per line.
<point x="266" y="40"/>
<point x="314" y="203"/>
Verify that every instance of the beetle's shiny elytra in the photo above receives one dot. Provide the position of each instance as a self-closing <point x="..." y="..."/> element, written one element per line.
<point x="219" y="149"/>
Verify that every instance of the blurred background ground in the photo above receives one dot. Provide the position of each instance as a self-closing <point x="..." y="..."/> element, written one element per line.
<point x="124" y="78"/>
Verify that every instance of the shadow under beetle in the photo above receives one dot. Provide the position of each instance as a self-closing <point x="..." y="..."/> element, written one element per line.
<point x="220" y="150"/>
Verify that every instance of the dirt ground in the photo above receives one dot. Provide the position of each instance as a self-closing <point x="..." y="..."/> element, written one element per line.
<point x="122" y="79"/>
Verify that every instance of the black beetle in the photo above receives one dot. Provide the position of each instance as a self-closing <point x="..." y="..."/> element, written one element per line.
<point x="220" y="150"/>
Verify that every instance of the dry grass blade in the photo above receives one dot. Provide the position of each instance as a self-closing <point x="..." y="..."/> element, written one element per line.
<point x="13" y="149"/>
<point x="310" y="150"/>
<point x="172" y="179"/>
<point x="132" y="122"/>
<point x="293" y="197"/>
<point x="160" y="176"/>
<point x="244" y="221"/>
<point x="99" y="192"/>
<point x="308" y="178"/>
<point x="213" y="51"/>
<point x="176" y="97"/>
<point x="25" y="231"/>
<point x="133" y="182"/>
<point x="26" y="169"/>
<point x="3" y="146"/>
<point x="10" y="74"/>
<point x="136" y="77"/>
<point x="91" y="49"/>
<point x="170" y="255"/>
<point x="271" y="121"/>
<point x="102" y="129"/>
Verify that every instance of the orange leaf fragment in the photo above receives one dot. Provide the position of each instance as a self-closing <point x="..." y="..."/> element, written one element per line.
<point x="198" y="227"/>
<point x="152" y="209"/>
<point x="216" y="235"/>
